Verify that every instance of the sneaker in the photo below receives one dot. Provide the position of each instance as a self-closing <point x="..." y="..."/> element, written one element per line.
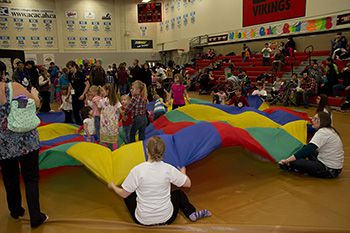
<point x="43" y="220"/>
<point x="19" y="215"/>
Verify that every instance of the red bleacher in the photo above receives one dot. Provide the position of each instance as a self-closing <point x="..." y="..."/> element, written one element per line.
<point x="253" y="66"/>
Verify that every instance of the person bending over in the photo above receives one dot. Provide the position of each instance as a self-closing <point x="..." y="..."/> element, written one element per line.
<point x="146" y="190"/>
<point x="323" y="157"/>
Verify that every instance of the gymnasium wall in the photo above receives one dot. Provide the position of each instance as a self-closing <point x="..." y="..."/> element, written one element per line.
<point x="216" y="17"/>
<point x="79" y="29"/>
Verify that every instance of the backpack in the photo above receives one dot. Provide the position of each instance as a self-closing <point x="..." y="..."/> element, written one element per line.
<point x="22" y="117"/>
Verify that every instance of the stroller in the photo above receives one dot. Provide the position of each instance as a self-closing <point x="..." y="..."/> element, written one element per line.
<point x="286" y="94"/>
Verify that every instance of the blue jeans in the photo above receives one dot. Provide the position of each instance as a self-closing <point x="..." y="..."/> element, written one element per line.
<point x="126" y="132"/>
<point x="139" y="124"/>
<point x="97" y="120"/>
<point x="123" y="89"/>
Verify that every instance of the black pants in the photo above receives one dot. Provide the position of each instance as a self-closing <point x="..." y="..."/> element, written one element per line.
<point x="30" y="173"/>
<point x="175" y="106"/>
<point x="178" y="199"/>
<point x="45" y="101"/>
<point x="312" y="166"/>
<point x="77" y="106"/>
<point x="68" y="116"/>
<point x="139" y="124"/>
<point x="266" y="61"/>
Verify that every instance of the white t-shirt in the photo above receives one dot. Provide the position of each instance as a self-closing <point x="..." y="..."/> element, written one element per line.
<point x="66" y="105"/>
<point x="151" y="181"/>
<point x="260" y="93"/>
<point x="90" y="125"/>
<point x="330" y="148"/>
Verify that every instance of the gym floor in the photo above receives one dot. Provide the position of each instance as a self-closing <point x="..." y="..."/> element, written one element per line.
<point x="244" y="194"/>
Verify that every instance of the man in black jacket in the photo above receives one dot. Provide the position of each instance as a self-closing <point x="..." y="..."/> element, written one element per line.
<point x="98" y="75"/>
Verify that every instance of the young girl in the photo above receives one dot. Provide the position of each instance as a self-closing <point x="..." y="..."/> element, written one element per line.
<point x="137" y="107"/>
<point x="178" y="91"/>
<point x="159" y="107"/>
<point x="109" y="106"/>
<point x="88" y="124"/>
<point x="147" y="190"/>
<point x="126" y="121"/>
<point x="95" y="96"/>
<point x="66" y="106"/>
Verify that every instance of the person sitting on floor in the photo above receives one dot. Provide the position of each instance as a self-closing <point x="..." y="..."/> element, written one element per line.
<point x="323" y="157"/>
<point x="147" y="190"/>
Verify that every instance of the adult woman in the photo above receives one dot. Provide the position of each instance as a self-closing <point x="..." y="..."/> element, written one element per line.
<point x="78" y="87"/>
<point x="146" y="190"/>
<point x="44" y="89"/>
<point x="23" y="149"/>
<point x="323" y="157"/>
<point x="322" y="101"/>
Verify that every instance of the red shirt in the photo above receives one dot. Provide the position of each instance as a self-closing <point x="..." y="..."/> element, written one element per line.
<point x="128" y="120"/>
<point x="237" y="100"/>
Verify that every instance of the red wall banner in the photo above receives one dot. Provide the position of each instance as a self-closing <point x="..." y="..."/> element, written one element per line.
<point x="264" y="11"/>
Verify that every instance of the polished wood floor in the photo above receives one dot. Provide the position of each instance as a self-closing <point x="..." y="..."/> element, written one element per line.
<point x="244" y="194"/>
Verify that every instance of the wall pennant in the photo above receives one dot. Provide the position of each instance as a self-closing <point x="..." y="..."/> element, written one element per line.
<point x="179" y="20"/>
<point x="193" y="16"/>
<point x="185" y="17"/>
<point x="3" y="23"/>
<point x="143" y="30"/>
<point x="173" y="23"/>
<point x="167" y="25"/>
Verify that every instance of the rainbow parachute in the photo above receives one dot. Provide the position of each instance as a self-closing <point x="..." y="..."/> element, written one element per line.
<point x="190" y="134"/>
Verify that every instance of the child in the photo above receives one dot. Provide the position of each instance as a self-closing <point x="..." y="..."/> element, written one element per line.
<point x="95" y="97"/>
<point x="238" y="100"/>
<point x="276" y="86"/>
<point x="159" y="107"/>
<point x="219" y="97"/>
<point x="58" y="89"/>
<point x="261" y="92"/>
<point x="109" y="77"/>
<point x="137" y="107"/>
<point x="66" y="106"/>
<point x="178" y="91"/>
<point x="126" y="122"/>
<point x="88" y="123"/>
<point x="109" y="105"/>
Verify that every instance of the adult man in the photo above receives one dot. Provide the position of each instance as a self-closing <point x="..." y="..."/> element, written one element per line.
<point x="21" y="76"/>
<point x="308" y="86"/>
<point x="136" y="71"/>
<point x="98" y="75"/>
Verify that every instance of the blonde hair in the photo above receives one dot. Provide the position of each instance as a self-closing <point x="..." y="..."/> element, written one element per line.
<point x="142" y="87"/>
<point x="95" y="89"/>
<point x="112" y="95"/>
<point x="125" y="97"/>
<point x="156" y="148"/>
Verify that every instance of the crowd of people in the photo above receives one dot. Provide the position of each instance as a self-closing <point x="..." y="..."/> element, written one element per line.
<point x="113" y="103"/>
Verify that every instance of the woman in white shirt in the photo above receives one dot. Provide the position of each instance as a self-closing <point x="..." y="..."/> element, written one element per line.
<point x="323" y="157"/>
<point x="146" y="190"/>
